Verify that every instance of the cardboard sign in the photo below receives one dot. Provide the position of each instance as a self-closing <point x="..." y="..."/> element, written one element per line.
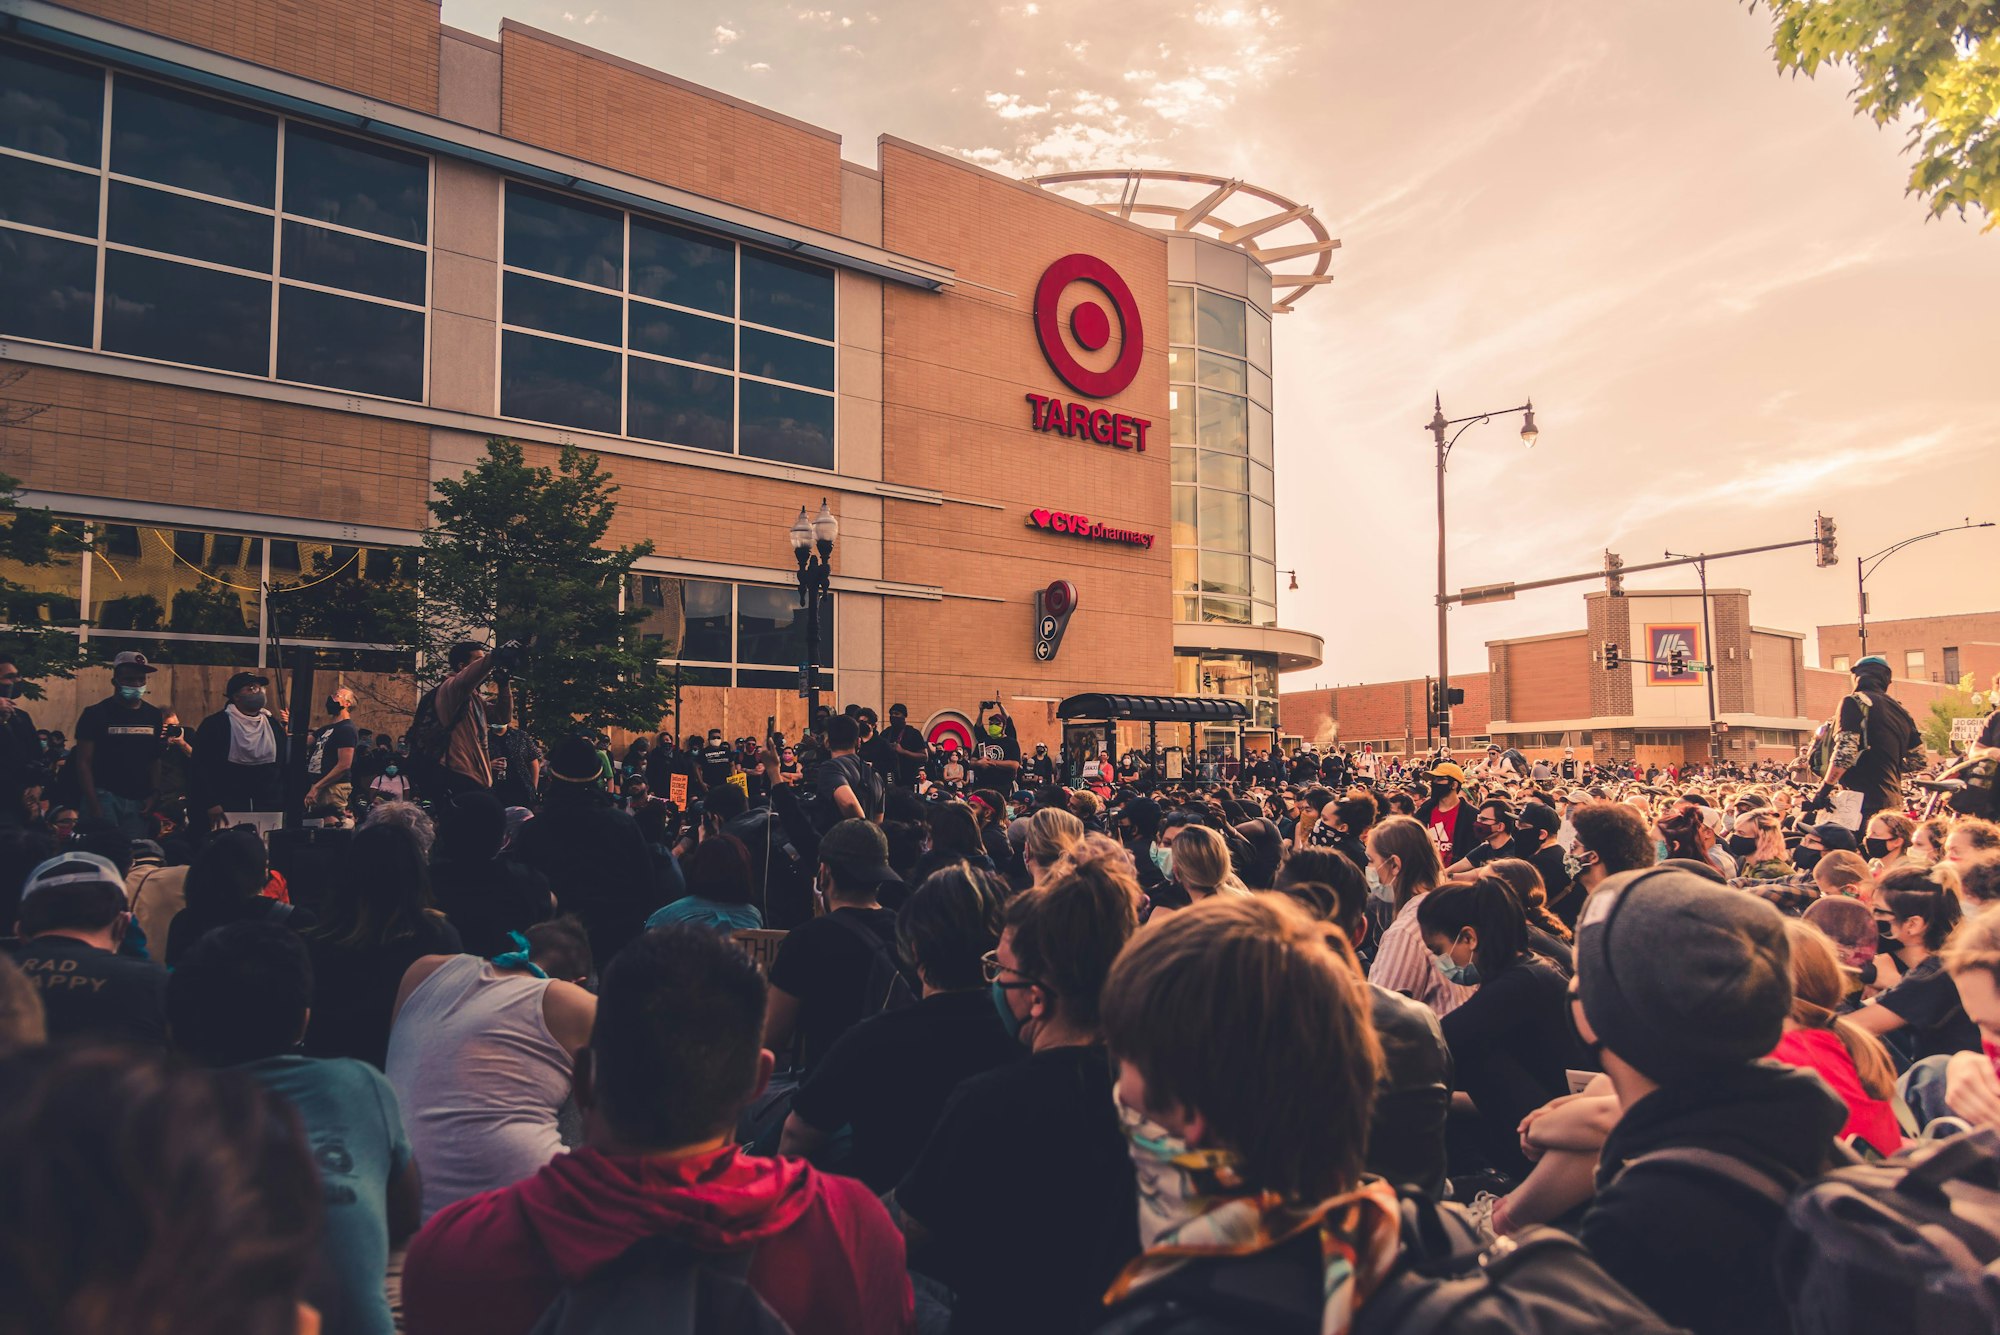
<point x="677" y="790"/>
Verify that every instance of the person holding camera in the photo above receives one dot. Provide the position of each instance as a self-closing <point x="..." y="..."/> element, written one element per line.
<point x="996" y="751"/>
<point x="459" y="720"/>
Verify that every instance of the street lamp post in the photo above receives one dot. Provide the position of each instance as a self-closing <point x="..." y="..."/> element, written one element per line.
<point x="1438" y="425"/>
<point x="1708" y="651"/>
<point x="1864" y="566"/>
<point x="812" y="545"/>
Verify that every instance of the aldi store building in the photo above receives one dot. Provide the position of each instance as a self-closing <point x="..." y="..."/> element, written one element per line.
<point x="269" y="271"/>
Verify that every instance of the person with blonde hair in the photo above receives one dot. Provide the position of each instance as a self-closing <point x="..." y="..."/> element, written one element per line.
<point x="1051" y="832"/>
<point x="1972" y="1079"/>
<point x="1927" y="841"/>
<point x="1854" y="1063"/>
<point x="1843" y="873"/>
<point x="1404" y="857"/>
<point x="1202" y="864"/>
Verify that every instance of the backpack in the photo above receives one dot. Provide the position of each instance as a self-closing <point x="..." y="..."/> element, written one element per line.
<point x="659" y="1287"/>
<point x="886" y="986"/>
<point x="430" y="736"/>
<point x="1539" y="1282"/>
<point x="1910" y="1243"/>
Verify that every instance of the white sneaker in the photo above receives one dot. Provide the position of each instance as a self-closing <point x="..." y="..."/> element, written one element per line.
<point x="1481" y="1210"/>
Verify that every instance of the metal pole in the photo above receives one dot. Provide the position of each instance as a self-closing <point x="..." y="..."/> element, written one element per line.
<point x="1861" y="608"/>
<point x="812" y="648"/>
<point x="1708" y="634"/>
<point x="1444" y="655"/>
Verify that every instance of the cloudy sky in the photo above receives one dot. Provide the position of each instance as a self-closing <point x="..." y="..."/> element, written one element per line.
<point x="1705" y="274"/>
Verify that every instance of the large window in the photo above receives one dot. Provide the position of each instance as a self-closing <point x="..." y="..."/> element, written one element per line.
<point x="723" y="634"/>
<point x="1224" y="512"/>
<point x="627" y="325"/>
<point x="142" y="219"/>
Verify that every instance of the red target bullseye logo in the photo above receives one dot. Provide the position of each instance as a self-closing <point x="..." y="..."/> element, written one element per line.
<point x="1089" y="325"/>
<point x="1059" y="598"/>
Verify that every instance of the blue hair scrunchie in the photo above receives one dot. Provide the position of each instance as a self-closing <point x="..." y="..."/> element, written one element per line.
<point x="517" y="958"/>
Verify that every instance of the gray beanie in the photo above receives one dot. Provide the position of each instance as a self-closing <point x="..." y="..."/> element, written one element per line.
<point x="1681" y="977"/>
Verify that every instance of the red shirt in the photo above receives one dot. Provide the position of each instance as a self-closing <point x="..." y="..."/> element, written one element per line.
<point x="1822" y="1052"/>
<point x="828" y="1259"/>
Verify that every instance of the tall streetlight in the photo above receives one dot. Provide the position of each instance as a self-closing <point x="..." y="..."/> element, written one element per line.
<point x="812" y="544"/>
<point x="1438" y="425"/>
<point x="1707" y="667"/>
<point x="1864" y="566"/>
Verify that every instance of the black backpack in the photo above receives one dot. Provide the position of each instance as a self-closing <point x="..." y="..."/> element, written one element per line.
<point x="887" y="985"/>
<point x="660" y="1287"/>
<point x="1446" y="1282"/>
<point x="1910" y="1243"/>
<point x="430" y="737"/>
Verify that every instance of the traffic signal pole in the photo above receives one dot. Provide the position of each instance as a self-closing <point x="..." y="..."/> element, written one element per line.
<point x="1500" y="593"/>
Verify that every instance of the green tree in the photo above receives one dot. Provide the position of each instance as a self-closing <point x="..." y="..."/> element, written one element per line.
<point x="515" y="551"/>
<point x="1932" y="62"/>
<point x="1963" y="702"/>
<point x="38" y="630"/>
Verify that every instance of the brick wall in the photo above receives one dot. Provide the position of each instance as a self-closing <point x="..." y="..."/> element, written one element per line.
<point x="1610" y="621"/>
<point x="1730" y="612"/>
<point x="386" y="49"/>
<point x="568" y="98"/>
<point x="1549" y="679"/>
<point x="103" y="436"/>
<point x="1378" y="711"/>
<point x="1825" y="689"/>
<point x="1931" y="635"/>
<point x="1774" y="677"/>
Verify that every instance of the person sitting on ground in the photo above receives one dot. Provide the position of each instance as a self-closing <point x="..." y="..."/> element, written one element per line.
<point x="1256" y="859"/>
<point x="1022" y="1201"/>
<point x="1852" y="1061"/>
<point x="1919" y="1015"/>
<point x="717" y="873"/>
<point x="1849" y="924"/>
<point x="1682" y="986"/>
<point x="238" y="999"/>
<point x="73" y="921"/>
<point x="1979" y="884"/>
<point x="1548" y="936"/>
<point x="823" y="966"/>
<point x="592" y="853"/>
<point x="1970" y="837"/>
<point x="1051" y="831"/>
<point x="158" y="893"/>
<point x="202" y="1213"/>
<point x="1844" y="875"/>
<point x="1495" y="822"/>
<point x="955" y="838"/>
<point x="1928" y="839"/>
<point x="1510" y="1039"/>
<point x="378" y="922"/>
<point x="482" y="1054"/>
<point x="674" y="1058"/>
<point x="225" y="885"/>
<point x="1406" y="1133"/>
<point x="1246" y="1073"/>
<point x="1610" y="838"/>
<point x="1535" y="841"/>
<point x="1972" y="1079"/>
<point x="1202" y="866"/>
<point x="487" y="897"/>
<point x="1887" y="841"/>
<point x="887" y="1079"/>
<point x="1405" y="858"/>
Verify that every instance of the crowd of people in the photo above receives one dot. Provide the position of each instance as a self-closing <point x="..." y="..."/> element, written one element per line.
<point x="757" y="1036"/>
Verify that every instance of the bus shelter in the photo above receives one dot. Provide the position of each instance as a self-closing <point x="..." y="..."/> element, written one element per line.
<point x="1091" y="724"/>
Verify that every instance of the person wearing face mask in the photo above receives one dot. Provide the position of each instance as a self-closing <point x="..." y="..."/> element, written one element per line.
<point x="1448" y="819"/>
<point x="74" y="916"/>
<point x="1758" y="844"/>
<point x="1535" y="842"/>
<point x="330" y="767"/>
<point x="1023" y="1199"/>
<point x="1610" y="838"/>
<point x="1495" y="825"/>
<point x="1922" y="1015"/>
<point x="118" y="742"/>
<point x="1509" y="1041"/>
<point x="996" y="751"/>
<point x="1886" y="842"/>
<point x="239" y="754"/>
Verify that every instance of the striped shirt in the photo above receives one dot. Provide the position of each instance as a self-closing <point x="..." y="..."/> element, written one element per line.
<point x="1403" y="964"/>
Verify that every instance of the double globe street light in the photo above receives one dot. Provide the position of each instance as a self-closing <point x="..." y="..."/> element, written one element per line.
<point x="812" y="545"/>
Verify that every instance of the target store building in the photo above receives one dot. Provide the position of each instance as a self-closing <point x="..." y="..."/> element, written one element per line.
<point x="268" y="271"/>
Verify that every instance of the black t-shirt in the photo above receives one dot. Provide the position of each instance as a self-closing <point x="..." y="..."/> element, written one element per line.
<point x="889" y="1077"/>
<point x="1889" y="733"/>
<point x="1927" y="1000"/>
<point x="903" y="768"/>
<point x="989" y="749"/>
<point x="1484" y="853"/>
<point x="327" y="744"/>
<point x="825" y="964"/>
<point x="717" y="762"/>
<point x="1026" y="1191"/>
<point x="127" y="743"/>
<point x="829" y="777"/>
<point x="1510" y="1045"/>
<point x="97" y="994"/>
<point x="1548" y="860"/>
<point x="514" y="754"/>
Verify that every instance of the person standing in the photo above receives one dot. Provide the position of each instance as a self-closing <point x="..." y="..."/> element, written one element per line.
<point x="996" y="755"/>
<point x="517" y="765"/>
<point x="1872" y="735"/>
<point x="118" y="743"/>
<point x="21" y="766"/>
<point x="239" y="754"/>
<point x="330" y="768"/>
<point x="454" y="756"/>
<point x="1447" y="818"/>
<point x="904" y="746"/>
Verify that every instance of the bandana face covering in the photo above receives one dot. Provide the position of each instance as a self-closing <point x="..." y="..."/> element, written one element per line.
<point x="1193" y="1203"/>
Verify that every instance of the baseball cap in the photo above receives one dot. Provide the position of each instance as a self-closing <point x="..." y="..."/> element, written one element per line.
<point x="1447" y="769"/>
<point x="858" y="850"/>
<point x="132" y="658"/>
<point x="241" y="679"/>
<point x="1870" y="664"/>
<point x="1538" y="815"/>
<point x="71" y="869"/>
<point x="1682" y="977"/>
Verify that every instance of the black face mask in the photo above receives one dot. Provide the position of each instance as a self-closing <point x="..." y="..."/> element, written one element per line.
<point x="1877" y="848"/>
<point x="1742" y="845"/>
<point x="1885" y="943"/>
<point x="1441" y="789"/>
<point x="332" y="705"/>
<point x="1805" y="859"/>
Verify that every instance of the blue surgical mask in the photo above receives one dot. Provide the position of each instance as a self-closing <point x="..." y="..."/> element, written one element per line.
<point x="389" y="770"/>
<point x="1008" y="1020"/>
<point x="1465" y="975"/>
<point x="132" y="692"/>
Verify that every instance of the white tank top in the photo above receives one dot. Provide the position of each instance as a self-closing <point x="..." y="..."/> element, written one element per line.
<point x="479" y="1077"/>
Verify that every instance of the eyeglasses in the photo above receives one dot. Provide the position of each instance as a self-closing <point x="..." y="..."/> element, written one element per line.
<point x="990" y="965"/>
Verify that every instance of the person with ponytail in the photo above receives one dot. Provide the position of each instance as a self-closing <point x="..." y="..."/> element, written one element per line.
<point x="1202" y="864"/>
<point x="1853" y="1062"/>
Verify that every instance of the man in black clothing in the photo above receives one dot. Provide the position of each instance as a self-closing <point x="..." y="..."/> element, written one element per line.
<point x="840" y="785"/>
<point x="1495" y="823"/>
<point x="330" y="766"/>
<point x="1873" y="735"/>
<point x="239" y="755"/>
<point x="593" y="855"/>
<point x="820" y="979"/>
<point x="996" y="751"/>
<point x="1041" y="767"/>
<point x="21" y="763"/>
<point x="517" y="765"/>
<point x="718" y="762"/>
<point x="1535" y="840"/>
<point x="118" y="745"/>
<point x="899" y="750"/>
<point x="74" y="916"/>
<point x="1682" y="986"/>
<point x="1023" y="1201"/>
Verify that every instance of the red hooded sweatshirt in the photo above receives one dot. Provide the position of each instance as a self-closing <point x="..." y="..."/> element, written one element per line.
<point x="828" y="1258"/>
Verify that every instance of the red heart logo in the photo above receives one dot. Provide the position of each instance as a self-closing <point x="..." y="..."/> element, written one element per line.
<point x="1041" y="518"/>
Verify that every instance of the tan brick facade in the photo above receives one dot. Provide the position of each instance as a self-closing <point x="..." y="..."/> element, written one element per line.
<point x="1971" y="638"/>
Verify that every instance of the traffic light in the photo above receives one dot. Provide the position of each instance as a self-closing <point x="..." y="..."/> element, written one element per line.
<point x="1432" y="698"/>
<point x="1614" y="582"/>
<point x="1823" y="535"/>
<point x="1677" y="662"/>
<point x="1455" y="696"/>
<point x="1610" y="656"/>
